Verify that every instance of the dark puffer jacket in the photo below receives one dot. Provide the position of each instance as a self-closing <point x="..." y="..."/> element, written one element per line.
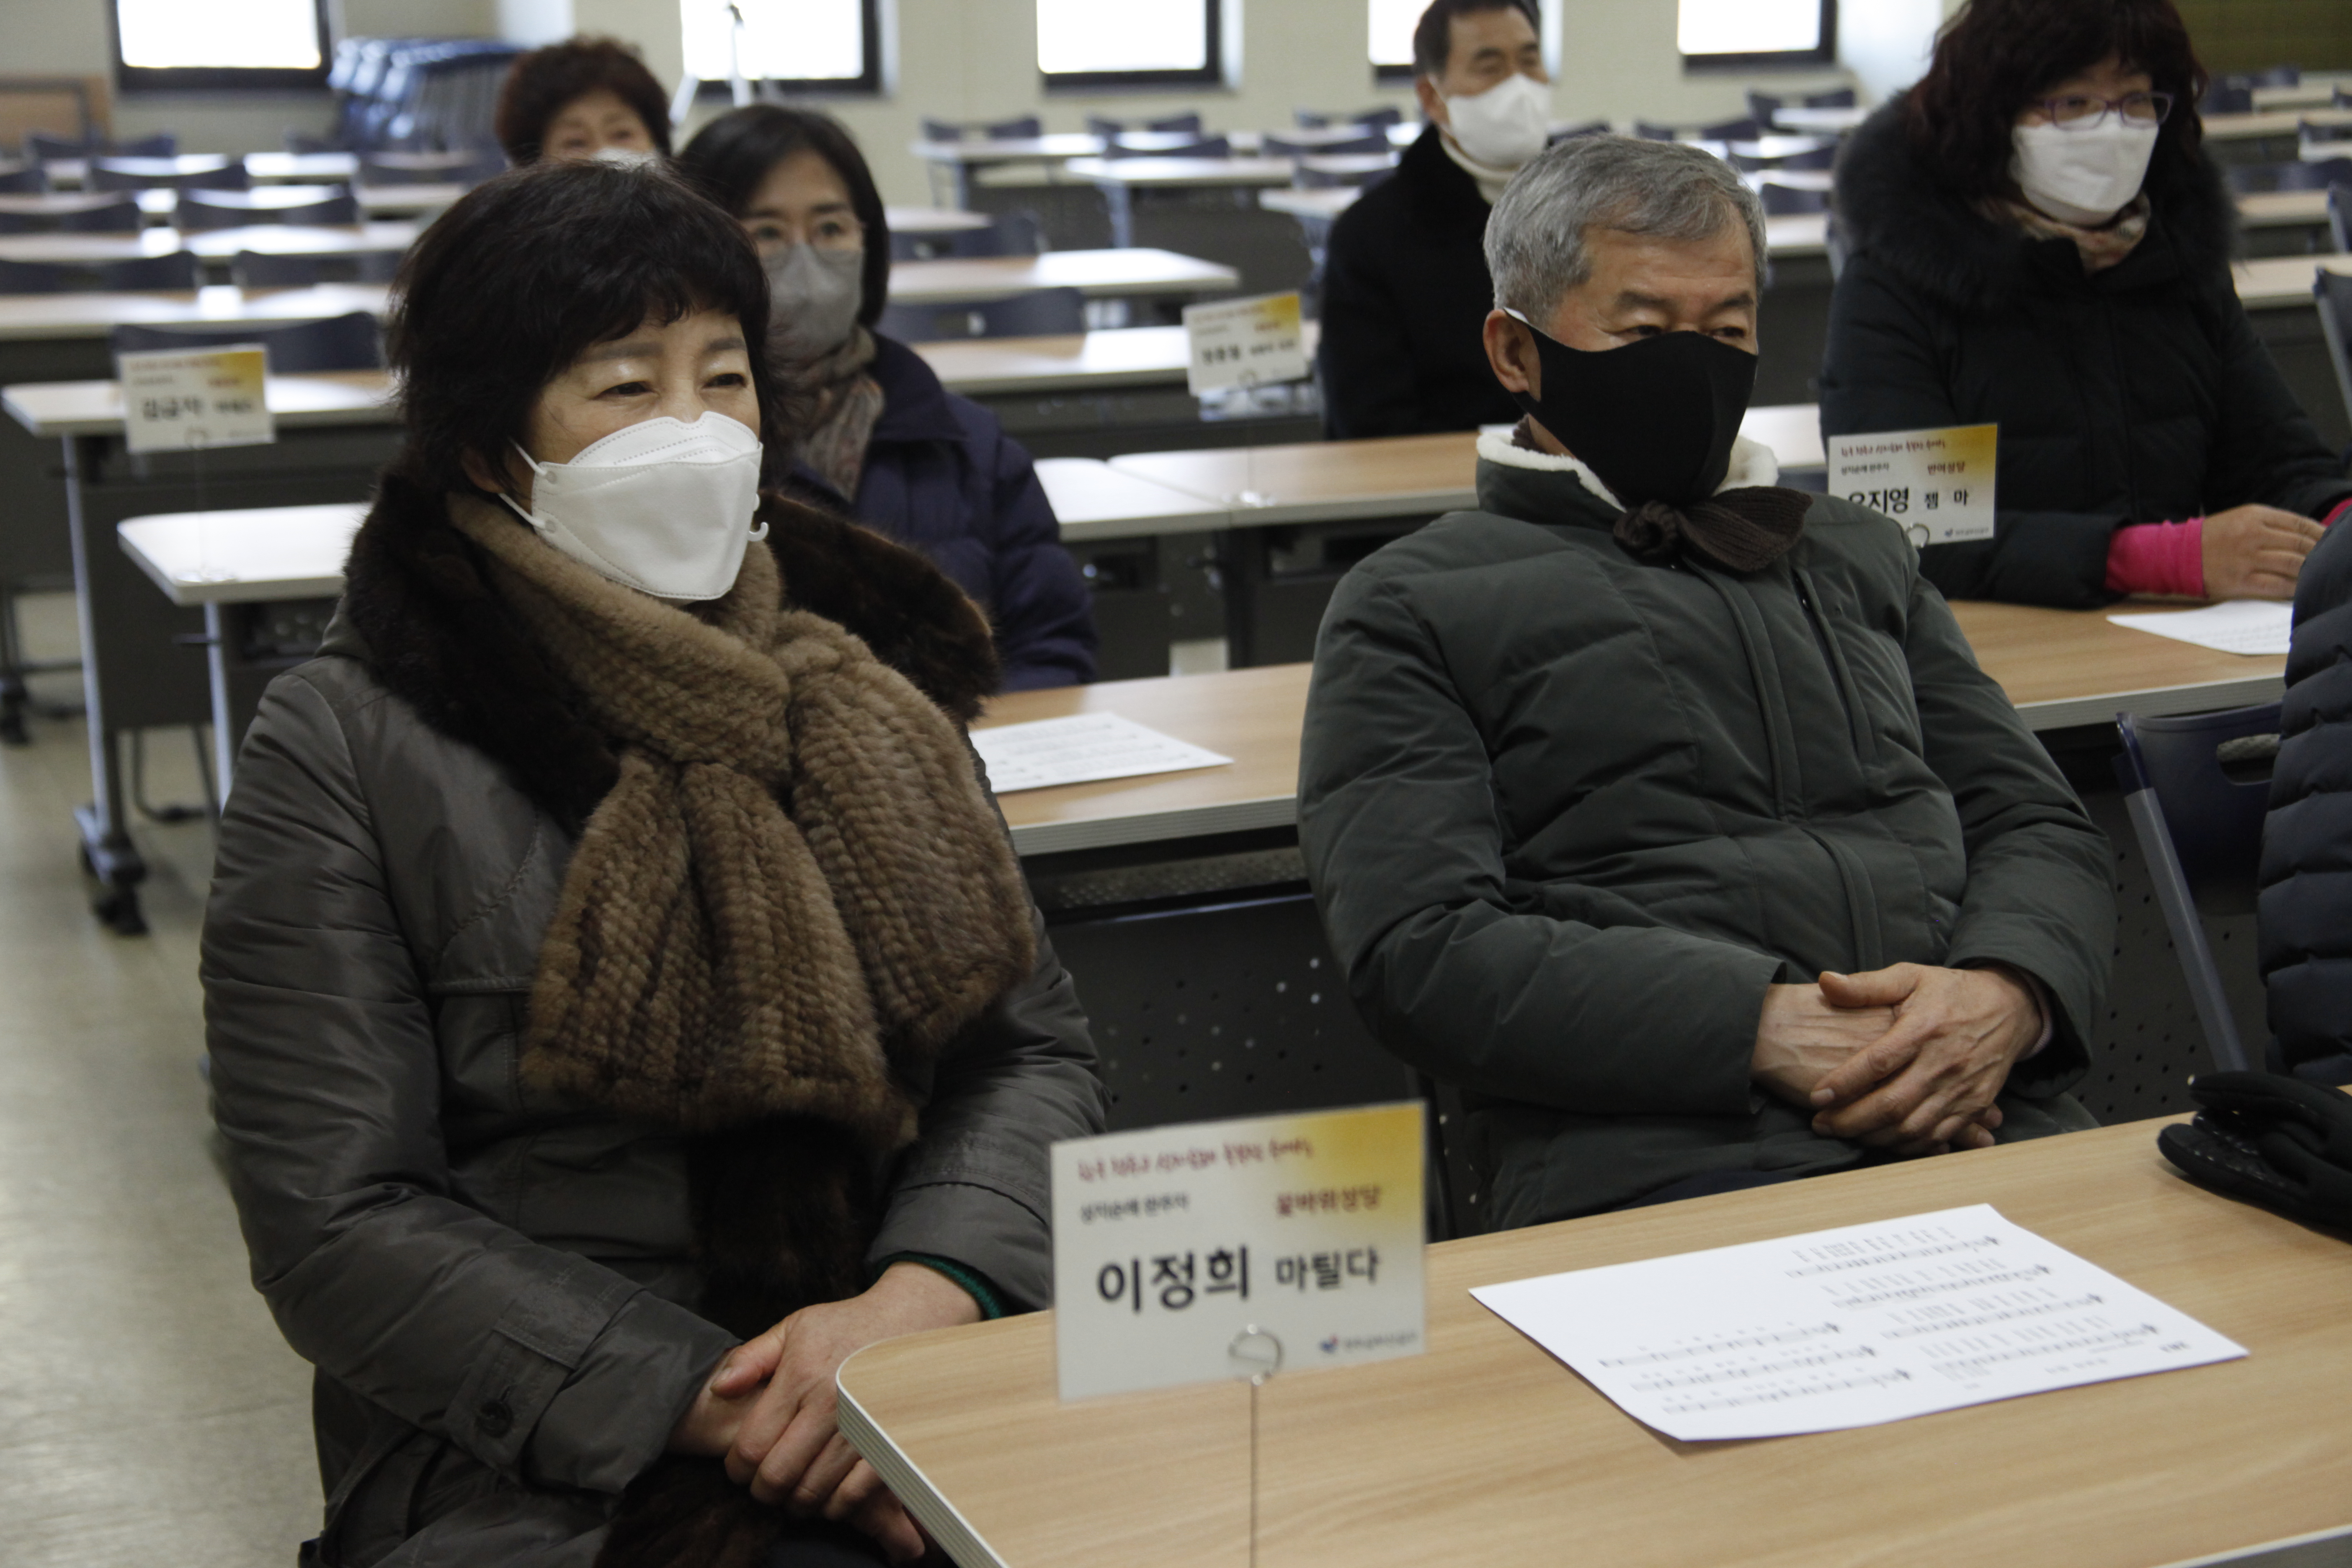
<point x="497" y="1284"/>
<point x="2136" y="394"/>
<point x="2306" y="876"/>
<point x="943" y="477"/>
<point x="1405" y="297"/>
<point x="1567" y="816"/>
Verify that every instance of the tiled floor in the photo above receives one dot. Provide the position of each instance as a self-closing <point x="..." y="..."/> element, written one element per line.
<point x="149" y="1415"/>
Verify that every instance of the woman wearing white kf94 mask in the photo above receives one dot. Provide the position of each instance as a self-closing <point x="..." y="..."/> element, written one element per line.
<point x="2038" y="241"/>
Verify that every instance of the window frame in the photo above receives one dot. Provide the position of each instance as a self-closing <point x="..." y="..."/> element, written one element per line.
<point x="873" y="82"/>
<point x="130" y="79"/>
<point x="1212" y="73"/>
<point x="1824" y="54"/>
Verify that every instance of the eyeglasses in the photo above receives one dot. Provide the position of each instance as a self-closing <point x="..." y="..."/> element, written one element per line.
<point x="2083" y="113"/>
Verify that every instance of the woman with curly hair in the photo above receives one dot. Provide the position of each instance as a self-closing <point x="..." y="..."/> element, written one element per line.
<point x="2039" y="241"/>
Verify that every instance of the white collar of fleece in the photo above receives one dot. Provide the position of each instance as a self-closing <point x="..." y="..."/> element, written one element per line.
<point x="1752" y="463"/>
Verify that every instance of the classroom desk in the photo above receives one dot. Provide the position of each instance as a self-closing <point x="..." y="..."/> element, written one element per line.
<point x="952" y="163"/>
<point x="216" y="245"/>
<point x="159" y="207"/>
<point x="73" y="172"/>
<point x="1485" y="1449"/>
<point x="2268" y="124"/>
<point x="40" y="318"/>
<point x="1130" y="274"/>
<point x="1796" y="117"/>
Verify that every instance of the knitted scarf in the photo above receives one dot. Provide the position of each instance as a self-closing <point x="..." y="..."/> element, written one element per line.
<point x="2099" y="247"/>
<point x="797" y="891"/>
<point x="847" y="404"/>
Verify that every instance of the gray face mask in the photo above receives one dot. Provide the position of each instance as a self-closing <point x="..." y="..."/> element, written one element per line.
<point x="814" y="295"/>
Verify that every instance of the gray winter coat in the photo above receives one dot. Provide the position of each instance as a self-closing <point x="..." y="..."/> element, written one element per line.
<point x="496" y="1284"/>
<point x="1567" y="816"/>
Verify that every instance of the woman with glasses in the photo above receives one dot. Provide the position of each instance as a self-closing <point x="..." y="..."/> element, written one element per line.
<point x="2037" y="240"/>
<point x="884" y="441"/>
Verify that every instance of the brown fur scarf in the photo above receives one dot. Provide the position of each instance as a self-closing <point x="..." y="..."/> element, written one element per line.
<point x="797" y="891"/>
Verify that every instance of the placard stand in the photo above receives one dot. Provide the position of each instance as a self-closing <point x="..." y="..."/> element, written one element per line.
<point x="1261" y="1353"/>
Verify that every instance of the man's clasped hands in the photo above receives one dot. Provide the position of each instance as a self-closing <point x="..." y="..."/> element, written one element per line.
<point x="1908" y="1060"/>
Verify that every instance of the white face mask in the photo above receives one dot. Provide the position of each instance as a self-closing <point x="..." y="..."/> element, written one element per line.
<point x="662" y="507"/>
<point x="1503" y="126"/>
<point x="814" y="298"/>
<point x="2082" y="176"/>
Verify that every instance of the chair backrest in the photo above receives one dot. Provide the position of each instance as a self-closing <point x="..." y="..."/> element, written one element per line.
<point x="2223" y="98"/>
<point x="1278" y="146"/>
<point x="121" y="215"/>
<point x="2341" y="98"/>
<point x="1649" y="131"/>
<point x="40" y="145"/>
<point x="267" y="269"/>
<point x="1041" y="314"/>
<point x="1208" y="147"/>
<point x="1590" y="128"/>
<point x="27" y="179"/>
<point x="163" y="173"/>
<point x="2277" y="76"/>
<point x="1835" y="97"/>
<point x="2301" y="175"/>
<point x="2332" y="292"/>
<point x="427" y="168"/>
<point x="1730" y="130"/>
<point x="1763" y="106"/>
<point x="339" y="343"/>
<point x="1781" y="200"/>
<point x="2339" y="214"/>
<point x="1171" y="125"/>
<point x="236" y="209"/>
<point x="1379" y="119"/>
<point x="135" y="274"/>
<point x="1009" y="234"/>
<point x="2201" y="832"/>
<point x="2315" y="133"/>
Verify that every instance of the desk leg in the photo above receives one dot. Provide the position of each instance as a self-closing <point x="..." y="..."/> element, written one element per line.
<point x="225" y="729"/>
<point x="107" y="852"/>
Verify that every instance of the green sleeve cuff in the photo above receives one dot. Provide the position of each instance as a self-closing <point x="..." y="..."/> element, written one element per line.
<point x="974" y="1283"/>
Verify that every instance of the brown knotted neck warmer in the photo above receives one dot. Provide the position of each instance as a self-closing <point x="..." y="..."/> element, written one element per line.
<point x="1743" y="530"/>
<point x="798" y="888"/>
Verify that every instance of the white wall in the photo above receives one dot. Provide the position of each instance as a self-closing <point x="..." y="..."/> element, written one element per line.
<point x="966" y="59"/>
<point x="1886" y="43"/>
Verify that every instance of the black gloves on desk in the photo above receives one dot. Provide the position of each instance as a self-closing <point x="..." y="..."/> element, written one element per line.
<point x="2270" y="1140"/>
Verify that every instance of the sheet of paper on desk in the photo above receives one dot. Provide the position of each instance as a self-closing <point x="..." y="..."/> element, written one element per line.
<point x="2233" y="625"/>
<point x="1082" y="749"/>
<point x="1850" y="1327"/>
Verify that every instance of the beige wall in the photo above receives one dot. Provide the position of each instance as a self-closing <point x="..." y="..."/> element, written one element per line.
<point x="959" y="59"/>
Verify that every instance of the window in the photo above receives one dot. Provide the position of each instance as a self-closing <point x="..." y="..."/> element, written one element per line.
<point x="1393" y="22"/>
<point x="173" y="46"/>
<point x="1132" y="43"/>
<point x="1757" y="32"/>
<point x="809" y="45"/>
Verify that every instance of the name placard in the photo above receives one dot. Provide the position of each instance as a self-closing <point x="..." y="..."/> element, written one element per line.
<point x="1171" y="1241"/>
<point x="1245" y="342"/>
<point x="1939" y="484"/>
<point x="174" y="400"/>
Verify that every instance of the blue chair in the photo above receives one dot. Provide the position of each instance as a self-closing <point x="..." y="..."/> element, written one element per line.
<point x="96" y="215"/>
<point x="1009" y="234"/>
<point x="42" y="146"/>
<point x="27" y="179"/>
<point x="1650" y="131"/>
<point x="1763" y="106"/>
<point x="1781" y="201"/>
<point x="1835" y="97"/>
<point x="1209" y="147"/>
<point x="2339" y="214"/>
<point x="2223" y="98"/>
<point x="132" y="275"/>
<point x="265" y="269"/>
<point x="2301" y="175"/>
<point x="2332" y="292"/>
<point x="1043" y="313"/>
<point x="1027" y="127"/>
<point x="200" y="210"/>
<point x="428" y="168"/>
<point x="2201" y="830"/>
<point x="1171" y="125"/>
<point x="1730" y="130"/>
<point x="339" y="343"/>
<point x="165" y="175"/>
<point x="1590" y="128"/>
<point x="1370" y="119"/>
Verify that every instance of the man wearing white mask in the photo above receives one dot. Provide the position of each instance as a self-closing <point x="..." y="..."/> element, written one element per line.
<point x="1405" y="286"/>
<point x="2039" y="241"/>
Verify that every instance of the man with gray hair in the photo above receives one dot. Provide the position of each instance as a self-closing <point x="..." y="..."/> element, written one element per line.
<point x="1662" y="811"/>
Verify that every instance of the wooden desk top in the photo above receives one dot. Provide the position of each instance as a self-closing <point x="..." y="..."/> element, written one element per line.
<point x="217" y="244"/>
<point x="1182" y="172"/>
<point x="1488" y="1450"/>
<point x="1819" y="122"/>
<point x="245" y="557"/>
<point x="934" y="220"/>
<point x="58" y="408"/>
<point x="50" y="316"/>
<point x="1131" y="356"/>
<point x="1098" y="273"/>
<point x="2064" y="668"/>
<point x="1249" y="715"/>
<point x="1093" y="501"/>
<point x="2270" y="122"/>
<point x="1054" y="148"/>
<point x="2283" y="282"/>
<point x="2283" y="209"/>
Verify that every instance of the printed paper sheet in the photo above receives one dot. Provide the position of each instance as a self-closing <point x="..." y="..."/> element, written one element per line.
<point x="2233" y="625"/>
<point x="1082" y="749"/>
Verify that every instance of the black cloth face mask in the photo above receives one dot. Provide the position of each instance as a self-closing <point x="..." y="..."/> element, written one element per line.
<point x="1655" y="419"/>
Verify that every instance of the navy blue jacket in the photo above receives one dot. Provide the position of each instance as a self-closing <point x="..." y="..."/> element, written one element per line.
<point x="2306" y="913"/>
<point x="942" y="475"/>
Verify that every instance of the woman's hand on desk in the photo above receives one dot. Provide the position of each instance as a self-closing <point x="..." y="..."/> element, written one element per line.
<point x="769" y="1408"/>
<point x="1928" y="1083"/>
<point x="2256" y="551"/>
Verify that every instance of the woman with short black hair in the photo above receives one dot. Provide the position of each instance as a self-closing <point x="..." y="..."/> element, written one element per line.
<point x="2039" y="241"/>
<point x="583" y="98"/>
<point x="886" y="442"/>
<point x="622" y="999"/>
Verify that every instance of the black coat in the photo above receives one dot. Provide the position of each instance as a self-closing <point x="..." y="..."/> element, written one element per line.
<point x="2136" y="394"/>
<point x="2306" y="876"/>
<point x="1405" y="297"/>
<point x="942" y="476"/>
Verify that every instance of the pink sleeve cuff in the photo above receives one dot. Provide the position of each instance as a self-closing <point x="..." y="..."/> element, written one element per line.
<point x="2158" y="558"/>
<point x="2333" y="518"/>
